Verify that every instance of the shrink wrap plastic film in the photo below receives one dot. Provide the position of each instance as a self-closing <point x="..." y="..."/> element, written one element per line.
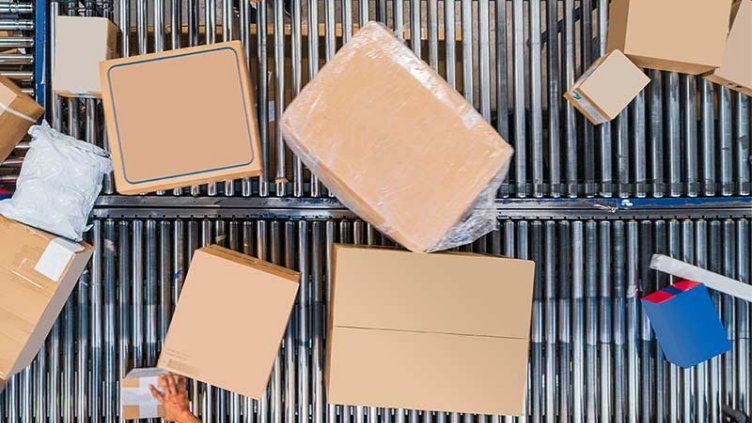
<point x="59" y="182"/>
<point x="398" y="145"/>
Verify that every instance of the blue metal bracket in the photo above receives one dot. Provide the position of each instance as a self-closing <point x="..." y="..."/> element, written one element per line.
<point x="42" y="39"/>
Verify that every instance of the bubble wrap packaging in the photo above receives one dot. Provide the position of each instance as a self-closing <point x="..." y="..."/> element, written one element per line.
<point x="398" y="145"/>
<point x="59" y="182"/>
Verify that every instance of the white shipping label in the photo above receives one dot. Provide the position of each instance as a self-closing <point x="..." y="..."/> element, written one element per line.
<point x="55" y="258"/>
<point x="150" y="411"/>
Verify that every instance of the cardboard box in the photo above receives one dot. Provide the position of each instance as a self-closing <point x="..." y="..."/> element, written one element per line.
<point x="686" y="323"/>
<point x="38" y="271"/>
<point x="687" y="36"/>
<point x="18" y="111"/>
<point x="608" y="87"/>
<point x="135" y="396"/>
<point x="394" y="142"/>
<point x="736" y="70"/>
<point x="229" y="321"/>
<point x="180" y="118"/>
<point x="80" y="44"/>
<point x="452" y="329"/>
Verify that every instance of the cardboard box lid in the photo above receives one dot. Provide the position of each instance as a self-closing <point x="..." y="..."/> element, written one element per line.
<point x="38" y="271"/>
<point x="229" y="321"/>
<point x="737" y="62"/>
<point x="180" y="105"/>
<point x="81" y="42"/>
<point x="614" y="83"/>
<point x="427" y="371"/>
<point x="680" y="35"/>
<point x="393" y="140"/>
<point x="453" y="293"/>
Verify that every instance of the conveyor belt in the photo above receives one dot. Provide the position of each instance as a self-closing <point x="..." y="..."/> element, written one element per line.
<point x="589" y="205"/>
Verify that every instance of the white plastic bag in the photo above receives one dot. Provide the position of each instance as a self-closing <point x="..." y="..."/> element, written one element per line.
<point x="60" y="179"/>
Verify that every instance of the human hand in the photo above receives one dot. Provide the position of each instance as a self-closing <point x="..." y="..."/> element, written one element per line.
<point x="174" y="398"/>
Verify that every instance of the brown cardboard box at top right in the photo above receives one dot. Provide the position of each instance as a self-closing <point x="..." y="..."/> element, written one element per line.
<point x="686" y="36"/>
<point x="736" y="70"/>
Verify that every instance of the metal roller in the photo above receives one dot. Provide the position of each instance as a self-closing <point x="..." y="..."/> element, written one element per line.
<point x="593" y="355"/>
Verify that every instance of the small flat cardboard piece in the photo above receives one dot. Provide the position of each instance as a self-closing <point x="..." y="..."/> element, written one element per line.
<point x="607" y="87"/>
<point x="686" y="36"/>
<point x="18" y="111"/>
<point x="389" y="320"/>
<point x="179" y="118"/>
<point x="30" y="301"/>
<point x="136" y="398"/>
<point x="81" y="42"/>
<point x="736" y="70"/>
<point x="226" y="294"/>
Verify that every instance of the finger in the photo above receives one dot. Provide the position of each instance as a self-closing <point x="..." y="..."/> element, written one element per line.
<point x="163" y="382"/>
<point x="156" y="394"/>
<point x="171" y="384"/>
<point x="181" y="384"/>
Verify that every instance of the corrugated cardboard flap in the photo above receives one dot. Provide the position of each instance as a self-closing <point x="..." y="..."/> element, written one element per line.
<point x="451" y="293"/>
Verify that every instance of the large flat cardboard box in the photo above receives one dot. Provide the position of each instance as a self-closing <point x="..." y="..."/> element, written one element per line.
<point x="607" y="88"/>
<point x="81" y="42"/>
<point x="452" y="329"/>
<point x="136" y="399"/>
<point x="687" y="36"/>
<point x="18" y="111"/>
<point x="736" y="70"/>
<point x="229" y="321"/>
<point x="180" y="118"/>
<point x="38" y="271"/>
<point x="395" y="143"/>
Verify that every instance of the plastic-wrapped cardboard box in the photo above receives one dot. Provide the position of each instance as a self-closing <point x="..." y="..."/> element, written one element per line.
<point x="608" y="87"/>
<point x="451" y="329"/>
<point x="229" y="321"/>
<point x="397" y="145"/>
<point x="736" y="70"/>
<point x="687" y="36"/>
<point x="686" y="323"/>
<point x="179" y="118"/>
<point x="18" y="111"/>
<point x="81" y="42"/>
<point x="136" y="398"/>
<point x="38" y="271"/>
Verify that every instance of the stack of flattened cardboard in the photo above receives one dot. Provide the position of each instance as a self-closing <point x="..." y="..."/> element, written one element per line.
<point x="452" y="328"/>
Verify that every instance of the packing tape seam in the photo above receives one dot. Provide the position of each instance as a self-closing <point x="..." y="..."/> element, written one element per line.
<point x="16" y="112"/>
<point x="26" y="278"/>
<point x="430" y="332"/>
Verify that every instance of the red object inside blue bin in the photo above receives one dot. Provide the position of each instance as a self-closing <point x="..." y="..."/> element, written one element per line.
<point x="670" y="291"/>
